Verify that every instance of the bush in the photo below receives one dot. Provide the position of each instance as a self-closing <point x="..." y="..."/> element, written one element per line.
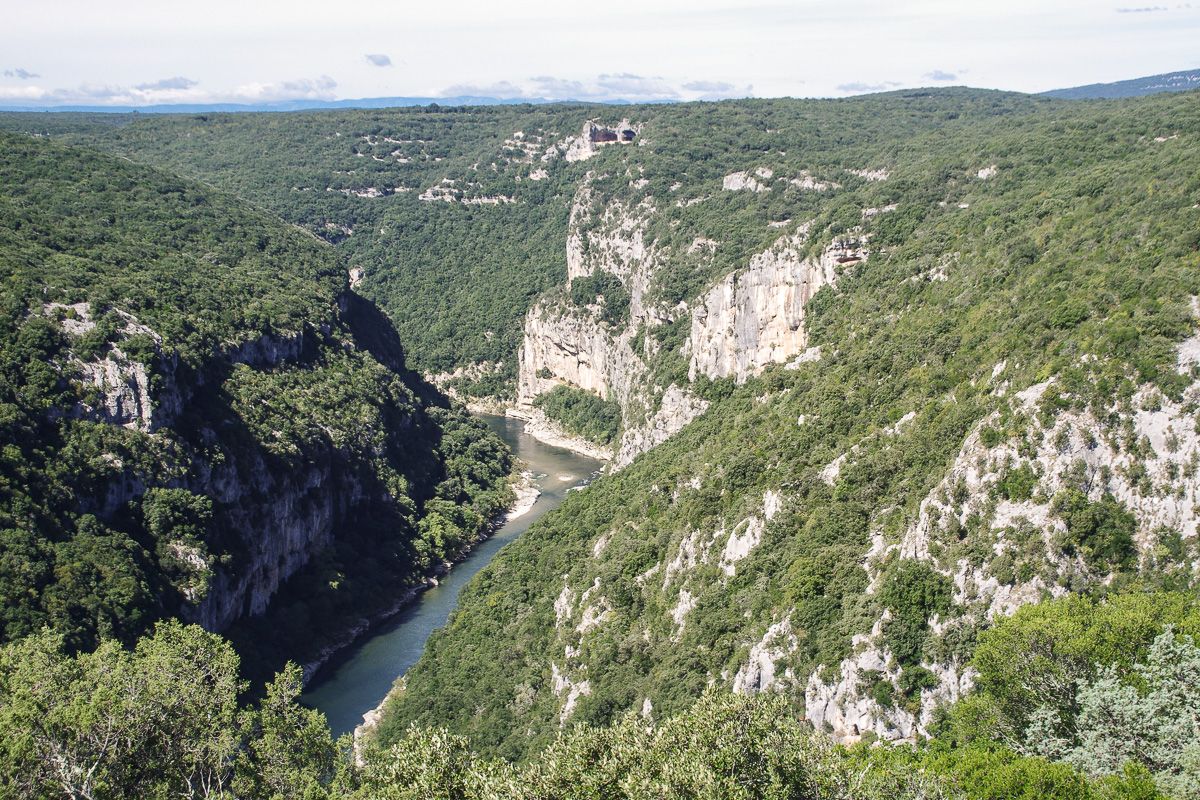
<point x="582" y="413"/>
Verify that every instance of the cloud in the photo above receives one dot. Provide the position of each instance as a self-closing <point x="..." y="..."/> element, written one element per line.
<point x="27" y="93"/>
<point x="20" y="74"/>
<point x="506" y="90"/>
<point x="707" y="86"/>
<point x="172" y="90"/>
<point x="940" y="75"/>
<point x="559" y="88"/>
<point x="378" y="59"/>
<point x="716" y="90"/>
<point x="320" y="88"/>
<point x="166" y="84"/>
<point x="858" y="87"/>
<point x="1141" y="10"/>
<point x="626" y="85"/>
<point x="607" y="87"/>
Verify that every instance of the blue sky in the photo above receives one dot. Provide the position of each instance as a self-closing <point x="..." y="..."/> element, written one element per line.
<point x="125" y="52"/>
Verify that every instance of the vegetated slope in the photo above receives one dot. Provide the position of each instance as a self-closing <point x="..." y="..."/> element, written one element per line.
<point x="996" y="402"/>
<point x="456" y="217"/>
<point x="196" y="411"/>
<point x="1134" y="87"/>
<point x="449" y="216"/>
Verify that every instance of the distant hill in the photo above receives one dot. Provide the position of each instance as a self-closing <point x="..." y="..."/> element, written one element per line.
<point x="314" y="105"/>
<point x="1135" y="87"/>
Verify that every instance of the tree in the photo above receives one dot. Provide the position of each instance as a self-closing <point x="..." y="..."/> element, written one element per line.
<point x="113" y="723"/>
<point x="289" y="753"/>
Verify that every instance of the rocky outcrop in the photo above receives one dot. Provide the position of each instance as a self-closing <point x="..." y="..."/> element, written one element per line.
<point x="272" y="519"/>
<point x="748" y="182"/>
<point x="123" y="393"/>
<point x="595" y="135"/>
<point x="290" y="516"/>
<point x="565" y="344"/>
<point x="677" y="407"/>
<point x="755" y="317"/>
<point x="1142" y="454"/>
<point x="752" y="318"/>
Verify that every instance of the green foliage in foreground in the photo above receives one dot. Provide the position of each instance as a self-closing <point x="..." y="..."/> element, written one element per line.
<point x="582" y="413"/>
<point x="160" y="721"/>
<point x="163" y="721"/>
<point x="1098" y="685"/>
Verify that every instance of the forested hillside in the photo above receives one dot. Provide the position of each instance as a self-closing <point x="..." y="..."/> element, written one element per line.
<point x="457" y="216"/>
<point x="994" y="401"/>
<point x="197" y="414"/>
<point x="451" y="215"/>
<point x="903" y="393"/>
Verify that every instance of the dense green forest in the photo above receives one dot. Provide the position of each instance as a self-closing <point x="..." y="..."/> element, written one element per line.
<point x="457" y="273"/>
<point x="967" y="524"/>
<point x="1068" y="270"/>
<point x="176" y="365"/>
<point x="582" y="413"/>
<point x="455" y="276"/>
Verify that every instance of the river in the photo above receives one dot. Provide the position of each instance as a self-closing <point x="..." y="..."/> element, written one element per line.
<point x="358" y="680"/>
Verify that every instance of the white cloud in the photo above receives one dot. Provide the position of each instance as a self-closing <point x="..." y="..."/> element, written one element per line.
<point x="178" y="82"/>
<point x="321" y="88"/>
<point x="378" y="59"/>
<point x="23" y="93"/>
<point x="505" y="90"/>
<point x="172" y="90"/>
<point x="20" y="74"/>
<point x="648" y="49"/>
<point x="708" y="86"/>
<point x="940" y="75"/>
<point x="607" y="87"/>
<point x="628" y="86"/>
<point x="858" y="87"/>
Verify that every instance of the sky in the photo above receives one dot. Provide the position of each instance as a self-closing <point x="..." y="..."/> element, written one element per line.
<point x="135" y="52"/>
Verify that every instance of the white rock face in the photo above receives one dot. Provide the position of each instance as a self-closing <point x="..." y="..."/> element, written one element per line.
<point x="570" y="691"/>
<point x="571" y="346"/>
<point x="746" y="182"/>
<point x="595" y="135"/>
<point x="617" y="245"/>
<point x="568" y="345"/>
<point x="806" y="181"/>
<point x="759" y="673"/>
<point x="683" y="607"/>
<point x="124" y="387"/>
<point x="122" y="384"/>
<point x="677" y="409"/>
<point x="1166" y="496"/>
<point x="755" y="317"/>
<point x="873" y="175"/>
<point x="744" y="538"/>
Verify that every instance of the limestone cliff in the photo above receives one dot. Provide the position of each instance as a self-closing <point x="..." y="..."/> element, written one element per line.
<point x="755" y="317"/>
<point x="751" y="318"/>
<point x="1142" y="454"/>
<point x="567" y="344"/>
<point x="273" y="519"/>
